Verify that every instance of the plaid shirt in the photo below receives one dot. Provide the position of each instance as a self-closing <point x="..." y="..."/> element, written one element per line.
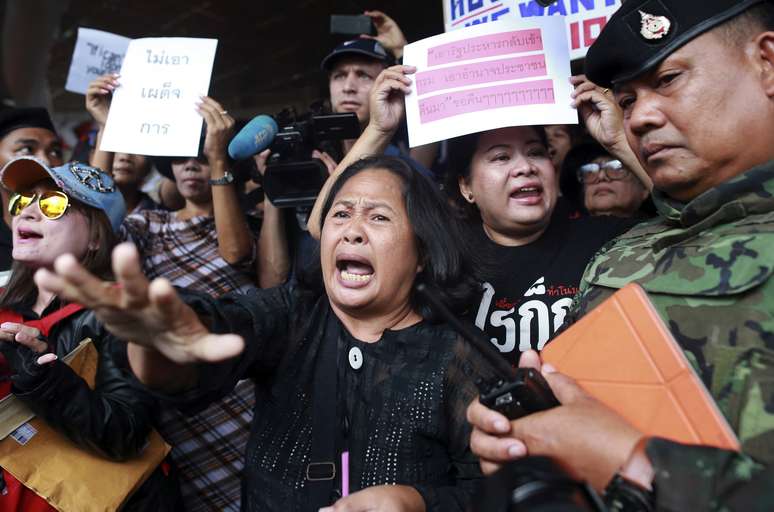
<point x="209" y="449"/>
<point x="209" y="446"/>
<point x="186" y="252"/>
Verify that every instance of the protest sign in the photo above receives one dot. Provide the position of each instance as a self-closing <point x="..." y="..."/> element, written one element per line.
<point x="584" y="18"/>
<point x="153" y="111"/>
<point x="96" y="53"/>
<point x="506" y="73"/>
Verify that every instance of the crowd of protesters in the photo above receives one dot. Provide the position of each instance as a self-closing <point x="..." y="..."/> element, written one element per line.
<point x="290" y="357"/>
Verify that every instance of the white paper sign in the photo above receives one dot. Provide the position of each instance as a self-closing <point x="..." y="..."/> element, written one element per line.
<point x="96" y="53"/>
<point x="506" y="73"/>
<point x="153" y="111"/>
<point x="584" y="18"/>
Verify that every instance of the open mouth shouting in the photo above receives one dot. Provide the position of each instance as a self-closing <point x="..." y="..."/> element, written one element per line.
<point x="26" y="234"/>
<point x="353" y="271"/>
<point x="528" y="194"/>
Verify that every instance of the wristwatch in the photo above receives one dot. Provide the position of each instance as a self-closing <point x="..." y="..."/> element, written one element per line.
<point x="227" y="179"/>
<point x="623" y="493"/>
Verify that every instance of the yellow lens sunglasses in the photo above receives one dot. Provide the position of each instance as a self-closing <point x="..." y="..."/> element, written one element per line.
<point x="52" y="203"/>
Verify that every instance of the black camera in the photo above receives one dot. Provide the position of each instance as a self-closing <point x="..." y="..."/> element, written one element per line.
<point x="525" y="393"/>
<point x="535" y="484"/>
<point x="293" y="178"/>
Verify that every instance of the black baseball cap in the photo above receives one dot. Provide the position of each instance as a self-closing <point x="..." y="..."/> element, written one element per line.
<point x="642" y="33"/>
<point x="364" y="47"/>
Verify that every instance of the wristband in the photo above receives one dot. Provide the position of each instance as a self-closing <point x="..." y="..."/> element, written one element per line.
<point x="227" y="179"/>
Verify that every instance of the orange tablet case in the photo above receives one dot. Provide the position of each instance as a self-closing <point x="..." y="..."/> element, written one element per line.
<point x="622" y="353"/>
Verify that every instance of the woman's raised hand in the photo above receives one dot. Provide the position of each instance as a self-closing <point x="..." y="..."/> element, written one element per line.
<point x="220" y="128"/>
<point x="98" y="97"/>
<point x="387" y="97"/>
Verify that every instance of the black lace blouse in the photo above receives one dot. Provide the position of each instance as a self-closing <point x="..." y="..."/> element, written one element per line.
<point x="405" y="404"/>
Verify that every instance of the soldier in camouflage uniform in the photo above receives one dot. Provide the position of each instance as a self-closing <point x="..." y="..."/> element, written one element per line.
<point x="701" y="118"/>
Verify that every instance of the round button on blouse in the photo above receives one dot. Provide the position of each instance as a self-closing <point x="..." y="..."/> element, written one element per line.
<point x="355" y="358"/>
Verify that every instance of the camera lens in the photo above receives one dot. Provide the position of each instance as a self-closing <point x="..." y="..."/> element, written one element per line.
<point x="535" y="484"/>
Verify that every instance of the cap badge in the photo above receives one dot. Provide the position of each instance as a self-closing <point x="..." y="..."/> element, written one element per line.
<point x="654" y="27"/>
<point x="91" y="178"/>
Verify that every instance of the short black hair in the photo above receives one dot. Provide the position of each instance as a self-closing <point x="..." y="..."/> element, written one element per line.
<point x="443" y="249"/>
<point x="461" y="151"/>
<point x="756" y="19"/>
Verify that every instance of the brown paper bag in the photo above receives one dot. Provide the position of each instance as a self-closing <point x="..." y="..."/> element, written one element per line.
<point x="71" y="478"/>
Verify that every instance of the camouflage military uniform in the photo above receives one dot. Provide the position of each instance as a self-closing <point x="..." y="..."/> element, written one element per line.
<point x="707" y="267"/>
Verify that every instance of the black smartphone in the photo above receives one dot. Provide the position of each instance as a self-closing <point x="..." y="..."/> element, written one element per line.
<point x="353" y="25"/>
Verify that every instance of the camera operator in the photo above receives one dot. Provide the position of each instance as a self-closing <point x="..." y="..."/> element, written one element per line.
<point x="352" y="68"/>
<point x="696" y="84"/>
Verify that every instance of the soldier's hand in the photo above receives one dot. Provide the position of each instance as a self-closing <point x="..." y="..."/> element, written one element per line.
<point x="491" y="438"/>
<point x="588" y="437"/>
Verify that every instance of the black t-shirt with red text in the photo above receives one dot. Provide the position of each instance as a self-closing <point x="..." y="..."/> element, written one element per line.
<point x="527" y="290"/>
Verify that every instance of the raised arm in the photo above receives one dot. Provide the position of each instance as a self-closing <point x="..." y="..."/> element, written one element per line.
<point x="235" y="242"/>
<point x="98" y="105"/>
<point x="273" y="261"/>
<point x="388" y="33"/>
<point x="604" y="121"/>
<point x="387" y="109"/>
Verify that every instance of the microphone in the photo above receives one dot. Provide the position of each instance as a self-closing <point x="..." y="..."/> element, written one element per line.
<point x="256" y="136"/>
<point x="545" y="3"/>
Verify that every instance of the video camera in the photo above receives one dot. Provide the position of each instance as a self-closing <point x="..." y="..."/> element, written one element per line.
<point x="293" y="178"/>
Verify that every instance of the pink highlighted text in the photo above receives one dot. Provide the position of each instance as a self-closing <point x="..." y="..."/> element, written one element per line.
<point x="441" y="106"/>
<point x="480" y="72"/>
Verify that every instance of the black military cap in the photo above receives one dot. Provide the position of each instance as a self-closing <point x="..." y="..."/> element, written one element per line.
<point x="642" y="33"/>
<point x="14" y="118"/>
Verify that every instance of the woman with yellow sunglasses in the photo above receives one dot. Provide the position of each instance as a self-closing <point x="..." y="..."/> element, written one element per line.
<point x="72" y="209"/>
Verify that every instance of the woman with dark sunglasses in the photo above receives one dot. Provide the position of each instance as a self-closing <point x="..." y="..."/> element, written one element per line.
<point x="72" y="209"/>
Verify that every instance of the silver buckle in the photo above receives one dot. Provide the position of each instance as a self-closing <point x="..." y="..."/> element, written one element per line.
<point x="319" y="471"/>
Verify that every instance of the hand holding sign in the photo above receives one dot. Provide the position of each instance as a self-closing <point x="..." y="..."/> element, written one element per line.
<point x="153" y="112"/>
<point x="98" y="97"/>
<point x="220" y="129"/>
<point x="387" y="97"/>
<point x="604" y="120"/>
<point x="489" y="76"/>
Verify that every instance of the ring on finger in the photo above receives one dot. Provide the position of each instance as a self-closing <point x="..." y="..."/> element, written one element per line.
<point x="605" y="91"/>
<point x="223" y="112"/>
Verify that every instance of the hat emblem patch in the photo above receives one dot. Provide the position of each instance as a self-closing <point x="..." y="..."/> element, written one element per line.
<point x="654" y="27"/>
